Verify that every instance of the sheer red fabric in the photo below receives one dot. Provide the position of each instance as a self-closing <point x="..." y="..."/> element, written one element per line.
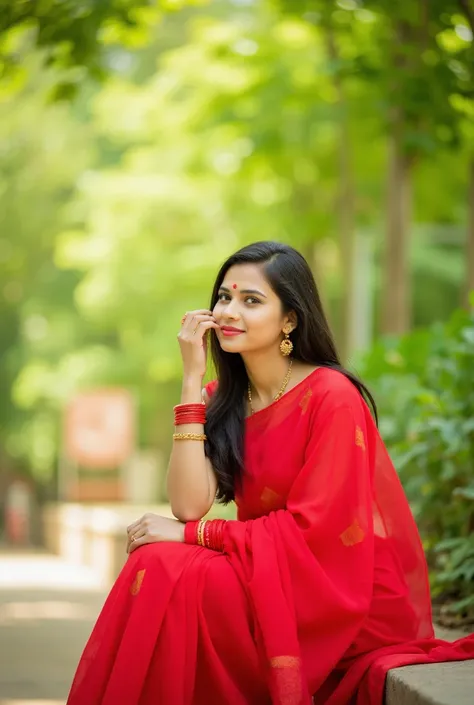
<point x="320" y="588"/>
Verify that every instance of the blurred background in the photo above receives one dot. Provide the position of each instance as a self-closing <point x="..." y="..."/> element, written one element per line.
<point x="141" y="143"/>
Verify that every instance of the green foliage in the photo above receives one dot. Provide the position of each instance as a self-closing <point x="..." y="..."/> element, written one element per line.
<point x="213" y="127"/>
<point x="425" y="385"/>
<point x="416" y="56"/>
<point x="79" y="36"/>
<point x="70" y="32"/>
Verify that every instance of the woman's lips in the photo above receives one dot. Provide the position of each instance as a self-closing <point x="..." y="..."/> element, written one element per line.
<point x="229" y="333"/>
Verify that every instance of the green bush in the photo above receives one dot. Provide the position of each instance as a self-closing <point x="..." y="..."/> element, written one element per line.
<point x="424" y="386"/>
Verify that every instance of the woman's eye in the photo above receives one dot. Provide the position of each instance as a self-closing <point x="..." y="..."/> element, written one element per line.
<point x="248" y="299"/>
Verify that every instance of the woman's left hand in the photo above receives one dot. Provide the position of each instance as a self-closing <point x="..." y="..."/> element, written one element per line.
<point x="152" y="528"/>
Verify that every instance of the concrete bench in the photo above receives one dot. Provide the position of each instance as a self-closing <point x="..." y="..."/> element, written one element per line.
<point x="433" y="684"/>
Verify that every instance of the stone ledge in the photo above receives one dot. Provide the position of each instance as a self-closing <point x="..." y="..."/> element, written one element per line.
<point x="449" y="683"/>
<point x="431" y="684"/>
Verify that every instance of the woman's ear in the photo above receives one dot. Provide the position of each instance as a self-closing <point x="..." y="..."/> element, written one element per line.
<point x="291" y="320"/>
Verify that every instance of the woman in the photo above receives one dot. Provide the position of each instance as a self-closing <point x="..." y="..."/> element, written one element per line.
<point x="320" y="586"/>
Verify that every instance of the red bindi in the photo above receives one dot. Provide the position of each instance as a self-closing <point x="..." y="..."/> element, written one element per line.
<point x="234" y="286"/>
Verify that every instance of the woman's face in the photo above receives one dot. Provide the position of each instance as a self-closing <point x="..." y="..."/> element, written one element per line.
<point x="246" y="302"/>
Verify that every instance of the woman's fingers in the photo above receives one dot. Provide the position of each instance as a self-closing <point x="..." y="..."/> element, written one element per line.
<point x="203" y="326"/>
<point x="192" y="321"/>
<point x="192" y="314"/>
<point x="135" y="532"/>
<point x="135" y="525"/>
<point x="196" y="329"/>
<point x="131" y="543"/>
<point x="135" y="544"/>
<point x="154" y="528"/>
<point x="205" y="322"/>
<point x="138" y="533"/>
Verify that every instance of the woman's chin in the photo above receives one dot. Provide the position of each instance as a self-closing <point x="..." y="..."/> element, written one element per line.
<point x="230" y="344"/>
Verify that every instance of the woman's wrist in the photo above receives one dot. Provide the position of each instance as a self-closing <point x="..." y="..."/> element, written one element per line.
<point x="191" y="389"/>
<point x="192" y="378"/>
<point x="190" y="532"/>
<point x="206" y="532"/>
<point x="181" y="529"/>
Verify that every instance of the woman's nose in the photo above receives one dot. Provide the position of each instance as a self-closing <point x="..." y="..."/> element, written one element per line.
<point x="231" y="309"/>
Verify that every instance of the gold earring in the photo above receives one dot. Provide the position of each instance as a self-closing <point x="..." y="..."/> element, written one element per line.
<point x="286" y="346"/>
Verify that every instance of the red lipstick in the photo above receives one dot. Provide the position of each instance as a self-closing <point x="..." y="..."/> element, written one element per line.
<point x="230" y="330"/>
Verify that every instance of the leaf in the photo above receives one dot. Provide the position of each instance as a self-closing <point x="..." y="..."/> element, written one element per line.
<point x="461" y="605"/>
<point x="464" y="492"/>
<point x="448" y="544"/>
<point x="468" y="335"/>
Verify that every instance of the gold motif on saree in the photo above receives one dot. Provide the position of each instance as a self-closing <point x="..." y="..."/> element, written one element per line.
<point x="305" y="401"/>
<point x="270" y="499"/>
<point x="137" y="583"/>
<point x="353" y="534"/>
<point x="285" y="662"/>
<point x="360" y="440"/>
<point x="287" y="679"/>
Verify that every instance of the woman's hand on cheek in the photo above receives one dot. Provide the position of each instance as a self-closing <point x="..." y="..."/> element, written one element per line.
<point x="152" y="528"/>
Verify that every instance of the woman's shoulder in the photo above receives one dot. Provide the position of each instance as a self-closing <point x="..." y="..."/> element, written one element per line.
<point x="332" y="390"/>
<point x="324" y="388"/>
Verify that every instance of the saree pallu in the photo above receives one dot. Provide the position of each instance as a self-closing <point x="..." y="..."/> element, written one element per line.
<point x="320" y="588"/>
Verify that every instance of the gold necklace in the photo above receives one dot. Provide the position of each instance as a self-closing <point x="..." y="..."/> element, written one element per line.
<point x="280" y="393"/>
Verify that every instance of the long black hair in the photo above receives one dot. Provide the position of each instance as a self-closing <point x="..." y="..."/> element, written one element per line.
<point x="290" y="277"/>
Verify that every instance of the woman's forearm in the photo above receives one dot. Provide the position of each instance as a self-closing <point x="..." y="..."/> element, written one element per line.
<point x="191" y="483"/>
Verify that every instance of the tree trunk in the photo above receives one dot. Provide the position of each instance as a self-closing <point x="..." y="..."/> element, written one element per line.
<point x="345" y="206"/>
<point x="469" y="286"/>
<point x="396" y="286"/>
<point x="396" y="279"/>
<point x="310" y="253"/>
<point x="346" y="213"/>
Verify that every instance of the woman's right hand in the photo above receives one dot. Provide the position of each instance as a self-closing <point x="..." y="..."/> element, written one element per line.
<point x="192" y="340"/>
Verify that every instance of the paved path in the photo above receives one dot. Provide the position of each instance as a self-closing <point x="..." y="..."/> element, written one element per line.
<point x="47" y="609"/>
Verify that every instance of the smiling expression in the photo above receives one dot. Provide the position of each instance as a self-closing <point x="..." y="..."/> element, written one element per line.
<point x="248" y="305"/>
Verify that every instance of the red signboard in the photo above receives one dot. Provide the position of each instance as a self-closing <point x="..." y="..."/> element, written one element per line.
<point x="100" y="428"/>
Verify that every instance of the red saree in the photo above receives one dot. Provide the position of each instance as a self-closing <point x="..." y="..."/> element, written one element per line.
<point x="320" y="589"/>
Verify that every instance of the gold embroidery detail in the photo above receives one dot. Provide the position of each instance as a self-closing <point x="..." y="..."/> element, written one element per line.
<point x="305" y="401"/>
<point x="360" y="441"/>
<point x="285" y="662"/>
<point x="269" y="498"/>
<point x="353" y="534"/>
<point x="137" y="583"/>
<point x="287" y="679"/>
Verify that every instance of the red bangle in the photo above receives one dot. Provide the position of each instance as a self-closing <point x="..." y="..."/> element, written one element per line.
<point x="184" y="417"/>
<point x="189" y="413"/>
<point x="218" y="539"/>
<point x="213" y="534"/>
<point x="194" y="406"/>
<point x="207" y="529"/>
<point x="190" y="532"/>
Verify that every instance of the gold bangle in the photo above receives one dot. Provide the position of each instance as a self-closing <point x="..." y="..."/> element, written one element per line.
<point x="189" y="437"/>
<point x="200" y="532"/>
